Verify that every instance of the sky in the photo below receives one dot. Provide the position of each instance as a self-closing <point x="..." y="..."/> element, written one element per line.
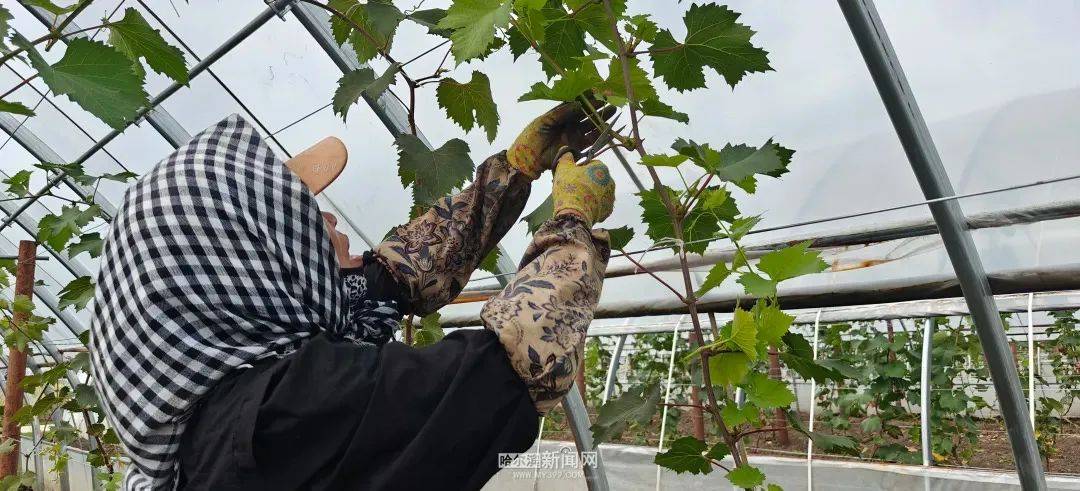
<point x="998" y="82"/>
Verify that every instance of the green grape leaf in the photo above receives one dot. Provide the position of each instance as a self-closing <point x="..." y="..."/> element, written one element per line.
<point x="642" y="27"/>
<point x="773" y="323"/>
<point x="56" y="230"/>
<point x="728" y="368"/>
<point x="591" y="17"/>
<point x="808" y="369"/>
<point x="428" y="331"/>
<point x="733" y="415"/>
<point x="432" y="173"/>
<point x="842" y="368"/>
<point x="518" y="44"/>
<point x="384" y="17"/>
<point x="685" y="455"/>
<point x="699" y="224"/>
<point x="718" y="451"/>
<point x="541" y="214"/>
<point x="744" y="333"/>
<point x="473" y="23"/>
<point x="742" y="226"/>
<point x="490" y="263"/>
<point x="470" y="103"/>
<point x="373" y="38"/>
<point x="620" y="237"/>
<point x="567" y="88"/>
<point x="637" y="404"/>
<point x="767" y="393"/>
<point x="430" y="18"/>
<point x="86" y="396"/>
<point x="95" y="76"/>
<point x="19" y="183"/>
<point x="15" y="107"/>
<point x="529" y="4"/>
<point x="718" y="202"/>
<point x="78" y="293"/>
<point x="746" y="476"/>
<point x="774" y="487"/>
<point x="791" y="262"/>
<point x="90" y="243"/>
<point x="824" y="442"/>
<point x="713" y="39"/>
<point x="563" y="41"/>
<point x="51" y="7"/>
<point x="757" y="286"/>
<point x="614" y="89"/>
<point x="361" y="81"/>
<point x="871" y="424"/>
<point x="654" y="107"/>
<point x="5" y="27"/>
<point x="661" y="160"/>
<point x="134" y="37"/>
<point x="740" y="162"/>
<point x="717" y="274"/>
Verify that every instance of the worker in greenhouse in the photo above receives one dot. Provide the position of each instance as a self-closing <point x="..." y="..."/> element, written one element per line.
<point x="237" y="343"/>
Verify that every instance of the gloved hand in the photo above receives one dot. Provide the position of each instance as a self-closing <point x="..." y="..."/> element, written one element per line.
<point x="567" y="125"/>
<point x="583" y="190"/>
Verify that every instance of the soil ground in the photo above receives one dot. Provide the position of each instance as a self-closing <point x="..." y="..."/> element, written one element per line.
<point x="991" y="452"/>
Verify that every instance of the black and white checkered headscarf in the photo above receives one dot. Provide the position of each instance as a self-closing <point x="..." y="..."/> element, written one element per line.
<point x="218" y="257"/>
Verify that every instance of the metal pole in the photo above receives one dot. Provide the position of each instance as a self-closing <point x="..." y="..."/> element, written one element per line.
<point x="578" y="417"/>
<point x="13" y="393"/>
<point x="1031" y="359"/>
<point x="884" y="66"/>
<point x="924" y="391"/>
<point x="613" y="368"/>
<point x="813" y="405"/>
<point x="210" y="59"/>
<point x="667" y="395"/>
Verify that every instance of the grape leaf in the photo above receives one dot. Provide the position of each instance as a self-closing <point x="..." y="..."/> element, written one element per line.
<point x="430" y="18"/>
<point x="591" y="17"/>
<point x="744" y="333"/>
<point x="14" y="107"/>
<point x="728" y="368"/>
<point x="757" y="286"/>
<point x="791" y="261"/>
<point x="614" y="88"/>
<point x="428" y="331"/>
<point x="660" y="160"/>
<point x="90" y="243"/>
<point x="643" y="28"/>
<point x="490" y="263"/>
<point x="637" y="404"/>
<point x="470" y="103"/>
<point x="56" y="230"/>
<point x="529" y="4"/>
<point x="619" y="237"/>
<point x="699" y="225"/>
<point x="366" y="43"/>
<point x="563" y="41"/>
<point x="383" y="82"/>
<point x="350" y="87"/>
<point x="473" y="24"/>
<point x="713" y="39"/>
<point x="19" y="183"/>
<point x="746" y="476"/>
<point x="567" y="88"/>
<point x="384" y="17"/>
<point x="78" y="293"/>
<point x="432" y="173"/>
<point x="822" y="441"/>
<point x="654" y="107"/>
<point x="773" y="323"/>
<point x="767" y="393"/>
<point x="51" y="7"/>
<point x="95" y="76"/>
<point x="685" y="455"/>
<point x="733" y="415"/>
<point x="541" y="214"/>
<point x="718" y="451"/>
<point x="134" y="37"/>
<point x="808" y="369"/>
<point x="717" y="274"/>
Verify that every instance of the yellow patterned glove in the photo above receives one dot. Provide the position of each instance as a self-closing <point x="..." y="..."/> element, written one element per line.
<point x="534" y="150"/>
<point x="583" y="190"/>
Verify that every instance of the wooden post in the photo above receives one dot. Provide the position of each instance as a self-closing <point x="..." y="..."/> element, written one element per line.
<point x="779" y="417"/>
<point x="13" y="398"/>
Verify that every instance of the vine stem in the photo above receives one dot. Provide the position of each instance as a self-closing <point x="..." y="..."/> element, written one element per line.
<point x="67" y="21"/>
<point x="677" y="218"/>
<point x="657" y="278"/>
<point x="52" y="36"/>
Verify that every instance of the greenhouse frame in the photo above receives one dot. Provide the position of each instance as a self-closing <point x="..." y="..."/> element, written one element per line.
<point x="956" y="284"/>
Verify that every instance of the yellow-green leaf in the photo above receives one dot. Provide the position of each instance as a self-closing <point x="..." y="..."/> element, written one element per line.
<point x="134" y="37"/>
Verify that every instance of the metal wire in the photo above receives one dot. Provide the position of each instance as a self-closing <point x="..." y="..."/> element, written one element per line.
<point x="842" y="217"/>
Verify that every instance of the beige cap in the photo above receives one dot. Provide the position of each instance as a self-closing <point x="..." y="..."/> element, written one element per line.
<point x="319" y="165"/>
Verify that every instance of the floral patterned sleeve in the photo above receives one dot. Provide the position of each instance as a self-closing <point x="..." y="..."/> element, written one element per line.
<point x="541" y="317"/>
<point x="433" y="256"/>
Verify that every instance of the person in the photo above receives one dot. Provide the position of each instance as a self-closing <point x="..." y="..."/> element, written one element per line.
<point x="237" y="343"/>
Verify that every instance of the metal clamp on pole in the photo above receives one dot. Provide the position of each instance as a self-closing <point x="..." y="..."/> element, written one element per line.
<point x="282" y="7"/>
<point x="884" y="66"/>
